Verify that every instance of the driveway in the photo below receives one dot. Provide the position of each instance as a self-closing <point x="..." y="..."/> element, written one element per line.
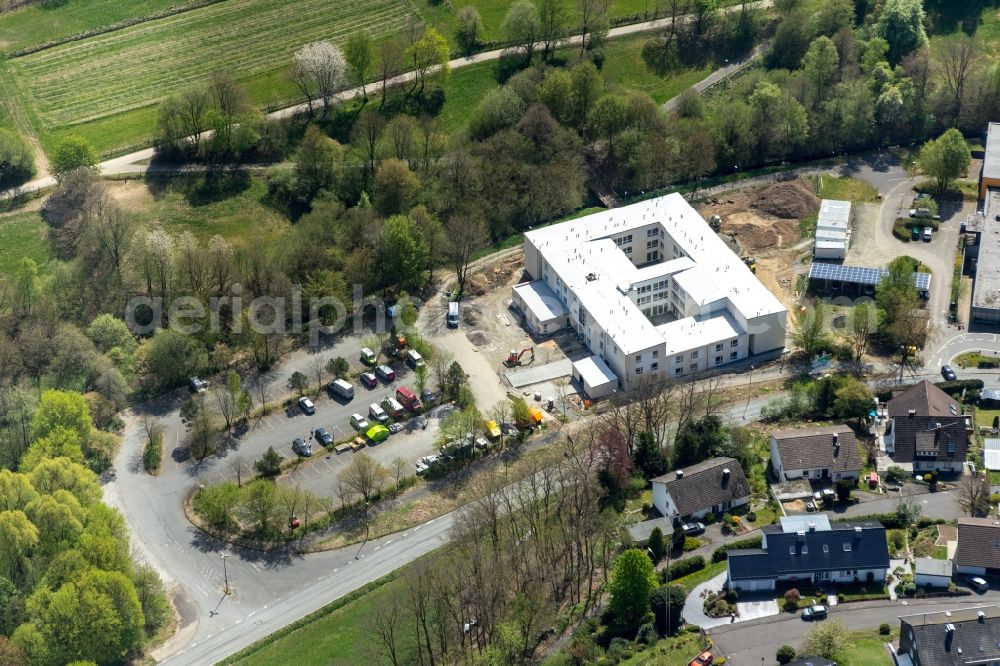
<point x="756" y="608"/>
<point x="694" y="605"/>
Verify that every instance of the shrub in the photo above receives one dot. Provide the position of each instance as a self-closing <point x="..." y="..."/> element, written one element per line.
<point x="646" y="634"/>
<point x="909" y="589"/>
<point x="751" y="516"/>
<point x="269" y="464"/>
<point x="924" y="522"/>
<point x="884" y="629"/>
<point x="719" y="554"/>
<point x="896" y="474"/>
<point x="687" y="566"/>
<point x="785" y="654"/>
<point x="792" y="599"/>
<point x="709" y="517"/>
<point x="732" y="596"/>
<point x="152" y="453"/>
<point x="690" y="543"/>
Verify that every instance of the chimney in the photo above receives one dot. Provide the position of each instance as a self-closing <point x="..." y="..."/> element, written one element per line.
<point x="912" y="413"/>
<point x="812" y="526"/>
<point x="836" y="439"/>
<point x="680" y="474"/>
<point x="857" y="532"/>
<point x="982" y="616"/>
<point x="949" y="629"/>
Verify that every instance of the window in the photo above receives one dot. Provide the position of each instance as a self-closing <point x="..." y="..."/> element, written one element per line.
<point x="638" y="371"/>
<point x="679" y="358"/>
<point x="805" y="474"/>
<point x="718" y="347"/>
<point x="638" y="358"/>
<point x="694" y="354"/>
<point x="735" y="343"/>
<point x="650" y="232"/>
<point x="826" y="548"/>
<point x="805" y="549"/>
<point x="656" y="353"/>
<point x="654" y="367"/>
<point x="651" y="244"/>
<point x="847" y="547"/>
<point x="791" y="549"/>
<point x="679" y="371"/>
<point x="718" y="360"/>
<point x="693" y="367"/>
<point x="733" y="356"/>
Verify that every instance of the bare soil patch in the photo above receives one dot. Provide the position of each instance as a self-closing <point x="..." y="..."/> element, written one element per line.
<point x="791" y="200"/>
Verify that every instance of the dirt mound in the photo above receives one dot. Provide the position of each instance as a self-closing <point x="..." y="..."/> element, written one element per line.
<point x="791" y="200"/>
<point x="755" y="234"/>
<point x="476" y="285"/>
<point x="478" y="338"/>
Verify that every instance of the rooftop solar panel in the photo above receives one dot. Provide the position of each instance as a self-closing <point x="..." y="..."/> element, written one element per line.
<point x="861" y="275"/>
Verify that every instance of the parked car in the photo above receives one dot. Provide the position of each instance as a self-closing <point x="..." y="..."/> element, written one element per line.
<point x="385" y="373"/>
<point x="691" y="529"/>
<point x="810" y="505"/>
<point x="928" y="234"/>
<point x="324" y="437"/>
<point x="395" y="428"/>
<point x="817" y="612"/>
<point x="197" y="385"/>
<point x="453" y="314"/>
<point x="427" y="396"/>
<point x="408" y="399"/>
<point x="915" y="233"/>
<point x="978" y="584"/>
<point x="414" y="359"/>
<point x="948" y="373"/>
<point x="368" y="356"/>
<point x="306" y="406"/>
<point x="301" y="448"/>
<point x="369" y="379"/>
<point x="377" y="413"/>
<point x="704" y="659"/>
<point x="392" y="406"/>
<point x="359" y="422"/>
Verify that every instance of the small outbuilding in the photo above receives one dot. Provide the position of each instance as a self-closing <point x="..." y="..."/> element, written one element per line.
<point x="595" y="376"/>
<point x="640" y="531"/>
<point x="544" y="313"/>
<point x="931" y="572"/>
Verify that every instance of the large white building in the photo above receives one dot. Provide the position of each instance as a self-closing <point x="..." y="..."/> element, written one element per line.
<point x="651" y="290"/>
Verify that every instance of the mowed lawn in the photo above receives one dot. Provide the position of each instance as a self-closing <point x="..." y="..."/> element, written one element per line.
<point x="22" y="235"/>
<point x="139" y="66"/>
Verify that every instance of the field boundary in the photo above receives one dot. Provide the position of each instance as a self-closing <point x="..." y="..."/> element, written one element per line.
<point x="111" y="27"/>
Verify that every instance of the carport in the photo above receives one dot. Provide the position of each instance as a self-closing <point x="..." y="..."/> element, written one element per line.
<point x="596" y="377"/>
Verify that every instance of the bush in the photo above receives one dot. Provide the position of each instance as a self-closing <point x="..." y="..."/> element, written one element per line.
<point x="709" y="518"/>
<point x="896" y="474"/>
<point x="152" y="453"/>
<point x="884" y="629"/>
<point x="647" y="634"/>
<point x="751" y="516"/>
<point x="690" y="543"/>
<point x="687" y="566"/>
<point x="909" y="589"/>
<point x="792" y="599"/>
<point x="719" y="554"/>
<point x="955" y="388"/>
<point x="16" y="163"/>
<point x="270" y="463"/>
<point x="924" y="522"/>
<point x="732" y="596"/>
<point x="785" y="654"/>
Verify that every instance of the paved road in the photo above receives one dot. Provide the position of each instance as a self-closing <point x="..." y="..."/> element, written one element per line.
<point x="750" y="643"/>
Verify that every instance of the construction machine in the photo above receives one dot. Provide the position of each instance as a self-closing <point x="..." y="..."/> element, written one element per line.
<point x="751" y="263"/>
<point x="514" y="358"/>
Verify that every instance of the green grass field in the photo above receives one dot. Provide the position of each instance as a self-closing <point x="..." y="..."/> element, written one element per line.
<point x="23" y="235"/>
<point x="624" y="66"/>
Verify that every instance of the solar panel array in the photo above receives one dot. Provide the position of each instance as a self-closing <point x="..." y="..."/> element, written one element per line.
<point x="861" y="275"/>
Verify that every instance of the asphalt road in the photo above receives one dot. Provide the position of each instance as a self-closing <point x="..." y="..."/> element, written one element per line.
<point x="749" y="643"/>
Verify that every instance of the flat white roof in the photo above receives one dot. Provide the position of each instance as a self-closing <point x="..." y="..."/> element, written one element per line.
<point x="698" y="331"/>
<point x="831" y="244"/>
<point x="834" y="214"/>
<point x="991" y="460"/>
<point x="594" y="371"/>
<point x="819" y="521"/>
<point x="831" y="235"/>
<point x="991" y="161"/>
<point x="584" y="255"/>
<point x="541" y="300"/>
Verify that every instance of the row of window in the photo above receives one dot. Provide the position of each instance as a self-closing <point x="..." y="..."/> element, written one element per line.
<point x="623" y="240"/>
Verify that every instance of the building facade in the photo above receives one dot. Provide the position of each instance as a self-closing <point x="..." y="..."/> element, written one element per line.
<point x="716" y="486"/>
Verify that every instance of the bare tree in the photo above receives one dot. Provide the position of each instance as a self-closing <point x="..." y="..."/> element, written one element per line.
<point x="192" y="111"/>
<point x="220" y="263"/>
<point x="365" y="476"/>
<point x="957" y="57"/>
<point x="399" y="465"/>
<point x="318" y="367"/>
<point x="465" y="236"/>
<point x="974" y="494"/>
<point x="439" y="365"/>
<point x="390" y="55"/>
<point x="387" y="623"/>
<point x="367" y="137"/>
<point x="239" y="465"/>
<point x="593" y="22"/>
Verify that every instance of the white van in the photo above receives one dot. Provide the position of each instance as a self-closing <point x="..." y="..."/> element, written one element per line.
<point x="342" y="388"/>
<point x="453" y="314"/>
<point x="414" y="359"/>
<point x="928" y="234"/>
<point x="377" y="413"/>
<point x="392" y="406"/>
<point x="358" y="422"/>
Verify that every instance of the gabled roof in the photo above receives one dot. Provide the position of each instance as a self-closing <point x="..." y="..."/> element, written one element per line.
<point x="812" y="448"/>
<point x="925" y="399"/>
<point x="845" y="546"/>
<point x="952" y="638"/>
<point x="937" y="438"/>
<point x="704" y="485"/>
<point x="978" y="543"/>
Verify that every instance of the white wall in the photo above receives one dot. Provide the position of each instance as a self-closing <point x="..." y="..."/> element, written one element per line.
<point x="932" y="580"/>
<point x="662" y="501"/>
<point x="776" y="460"/>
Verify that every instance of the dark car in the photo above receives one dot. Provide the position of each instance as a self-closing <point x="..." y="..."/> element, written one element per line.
<point x="692" y="529"/>
<point x="817" y="612"/>
<point x="948" y="373"/>
<point x="369" y="379"/>
<point x="324" y="437"/>
<point x="385" y="373"/>
<point x="976" y="583"/>
<point x="300" y="447"/>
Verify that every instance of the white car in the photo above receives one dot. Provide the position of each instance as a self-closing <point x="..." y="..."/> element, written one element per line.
<point x="359" y="422"/>
<point x="307" y="406"/>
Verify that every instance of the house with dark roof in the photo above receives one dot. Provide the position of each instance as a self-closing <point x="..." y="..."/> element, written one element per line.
<point x="714" y="486"/>
<point x="978" y="550"/>
<point x="814" y="552"/>
<point x="829" y="452"/>
<point x="950" y="638"/>
<point x="927" y="430"/>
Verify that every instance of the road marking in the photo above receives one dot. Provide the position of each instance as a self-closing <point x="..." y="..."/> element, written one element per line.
<point x="405" y="534"/>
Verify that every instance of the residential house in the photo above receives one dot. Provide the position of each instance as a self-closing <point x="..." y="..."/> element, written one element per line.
<point x="978" y="551"/>
<point x="829" y="452"/>
<point x="811" y="550"/>
<point x="930" y="572"/>
<point x="926" y="430"/>
<point x="960" y="637"/>
<point x="714" y="486"/>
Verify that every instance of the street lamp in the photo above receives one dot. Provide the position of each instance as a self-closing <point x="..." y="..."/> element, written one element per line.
<point x="367" y="526"/>
<point x="749" y="393"/>
<point x="225" y="570"/>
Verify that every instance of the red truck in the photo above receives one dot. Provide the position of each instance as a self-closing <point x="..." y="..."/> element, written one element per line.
<point x="409" y="399"/>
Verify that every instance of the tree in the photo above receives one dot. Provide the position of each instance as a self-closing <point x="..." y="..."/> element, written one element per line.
<point x="667" y="604"/>
<point x="364" y="476"/>
<point x="522" y="27"/>
<point x="319" y="70"/>
<point x="366" y="137"/>
<point x="632" y="582"/>
<point x="399" y="465"/>
<point x="593" y="23"/>
<point x="201" y="435"/>
<point x="395" y="187"/>
<point x="811" y="332"/>
<point x="429" y="53"/>
<point x="390" y="57"/>
<point x="421" y="373"/>
<point x="72" y="152"/>
<point x="470" y="27"/>
<point x="956" y="57"/>
<point x="863" y="325"/>
<point x="239" y="466"/>
<point x="360" y="55"/>
<point x="945" y="158"/>
<point x="792" y="598"/>
<point x="853" y="400"/>
<point x="901" y="25"/>
<point x="338" y="367"/>
<point x="896" y="297"/>
<point x="465" y="236"/>
<point x="552" y="18"/>
<point x="499" y="109"/>
<point x="259" y="503"/>
<point x="16" y="163"/>
<point x="299" y="382"/>
<point x="844" y="489"/>
<point x="170" y="357"/>
<point x="455" y="380"/>
<point x="109" y="333"/>
<point x="18" y="538"/>
<point x="649" y="457"/>
<point x="820" y="65"/>
<point x="216" y="503"/>
<point x="657" y="545"/>
<point x="785" y="654"/>
<point x="317" y="163"/>
<point x="827" y="639"/>
<point x="404" y="254"/>
<point x="62" y="409"/>
<point x="269" y="464"/>
<point x="974" y="494"/>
